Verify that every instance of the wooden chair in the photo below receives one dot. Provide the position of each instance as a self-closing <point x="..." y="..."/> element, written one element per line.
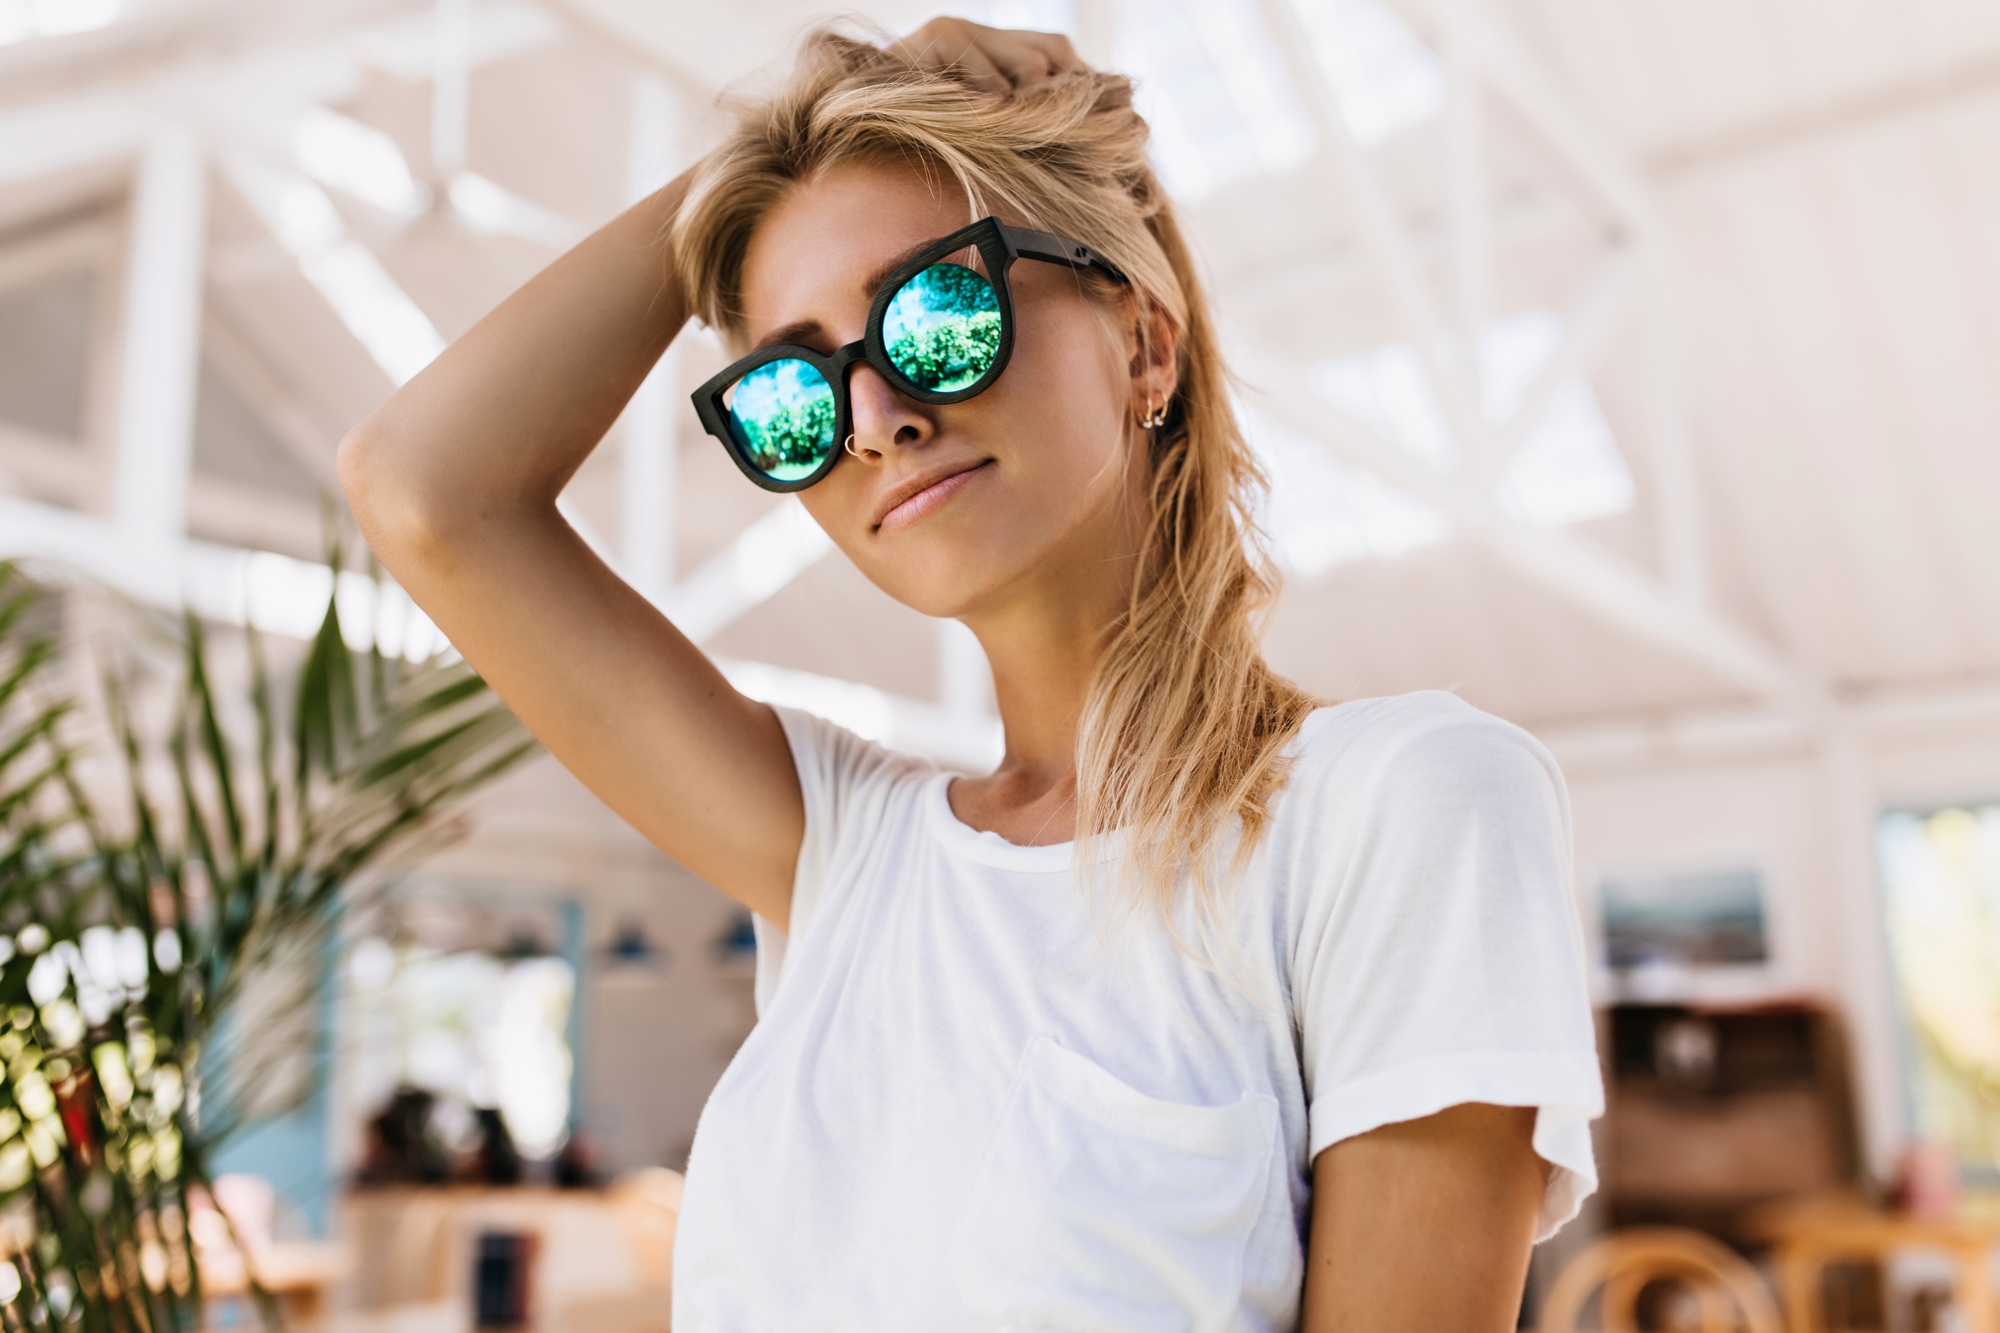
<point x="649" y="1208"/>
<point x="1728" y="1293"/>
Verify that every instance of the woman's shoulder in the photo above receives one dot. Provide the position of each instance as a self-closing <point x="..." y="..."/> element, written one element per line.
<point x="842" y="773"/>
<point x="1426" y="740"/>
<point x="1364" y="729"/>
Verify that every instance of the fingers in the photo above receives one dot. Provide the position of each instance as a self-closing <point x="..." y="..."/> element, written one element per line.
<point x="976" y="66"/>
<point x="1057" y="48"/>
<point x="990" y="58"/>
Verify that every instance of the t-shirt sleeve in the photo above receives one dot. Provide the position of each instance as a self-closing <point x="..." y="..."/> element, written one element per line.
<point x="1439" y="958"/>
<point x="845" y="781"/>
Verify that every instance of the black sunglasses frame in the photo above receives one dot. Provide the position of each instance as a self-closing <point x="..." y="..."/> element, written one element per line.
<point x="999" y="245"/>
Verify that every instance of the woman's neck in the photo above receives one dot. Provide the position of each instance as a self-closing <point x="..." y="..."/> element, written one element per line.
<point x="1044" y="649"/>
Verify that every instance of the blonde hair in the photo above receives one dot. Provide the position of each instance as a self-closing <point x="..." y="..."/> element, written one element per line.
<point x="1181" y="740"/>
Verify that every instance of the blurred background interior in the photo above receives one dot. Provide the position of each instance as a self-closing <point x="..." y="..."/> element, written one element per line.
<point x="1631" y="369"/>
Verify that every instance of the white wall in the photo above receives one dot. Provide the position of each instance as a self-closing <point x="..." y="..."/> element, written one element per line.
<point x="1785" y="811"/>
<point x="1767" y="814"/>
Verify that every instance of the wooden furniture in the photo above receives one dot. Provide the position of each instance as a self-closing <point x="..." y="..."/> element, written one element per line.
<point x="603" y="1257"/>
<point x="297" y="1274"/>
<point x="1714" y="1110"/>
<point x="1726" y="1290"/>
<point x="231" y="1226"/>
<point x="1809" y="1234"/>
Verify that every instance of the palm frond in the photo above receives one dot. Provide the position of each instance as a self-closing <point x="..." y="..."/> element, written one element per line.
<point x="241" y="860"/>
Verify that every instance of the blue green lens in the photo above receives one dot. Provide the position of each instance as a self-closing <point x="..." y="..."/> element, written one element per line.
<point x="784" y="418"/>
<point x="942" y="328"/>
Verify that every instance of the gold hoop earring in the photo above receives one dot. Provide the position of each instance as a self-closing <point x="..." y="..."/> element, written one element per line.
<point x="1156" y="415"/>
<point x="848" y="445"/>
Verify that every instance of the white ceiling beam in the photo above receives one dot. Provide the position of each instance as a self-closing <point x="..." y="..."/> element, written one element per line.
<point x="1590" y="326"/>
<point x="1512" y="72"/>
<point x="763" y="558"/>
<point x="1672" y="615"/>
<point x="160" y="358"/>
<point x="90" y="546"/>
<point x="1589" y="577"/>
<point x="1698" y="735"/>
<point x="52" y="137"/>
<point x="1332" y="273"/>
<point x="143" y="551"/>
<point x="1916" y="709"/>
<point x="369" y="303"/>
<point x="1454" y="385"/>
<point x="649" y="431"/>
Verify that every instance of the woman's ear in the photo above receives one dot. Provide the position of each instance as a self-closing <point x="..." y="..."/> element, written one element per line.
<point x="1153" y="346"/>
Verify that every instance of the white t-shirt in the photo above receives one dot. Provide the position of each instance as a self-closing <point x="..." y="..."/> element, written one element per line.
<point x="960" y="1110"/>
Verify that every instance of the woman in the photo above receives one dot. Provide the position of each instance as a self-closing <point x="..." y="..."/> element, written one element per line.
<point x="1209" y="1008"/>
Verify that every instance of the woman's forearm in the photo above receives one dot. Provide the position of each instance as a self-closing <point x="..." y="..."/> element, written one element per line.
<point x="503" y="417"/>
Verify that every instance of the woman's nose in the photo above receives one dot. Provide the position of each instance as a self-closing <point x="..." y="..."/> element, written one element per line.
<point x="883" y="419"/>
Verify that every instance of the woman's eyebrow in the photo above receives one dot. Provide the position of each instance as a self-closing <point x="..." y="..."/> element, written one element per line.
<point x="890" y="265"/>
<point x="802" y="329"/>
<point x="795" y="332"/>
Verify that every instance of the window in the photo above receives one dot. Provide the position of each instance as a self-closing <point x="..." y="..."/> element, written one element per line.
<point x="1941" y="891"/>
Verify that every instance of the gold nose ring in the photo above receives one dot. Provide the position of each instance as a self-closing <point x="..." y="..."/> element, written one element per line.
<point x="848" y="445"/>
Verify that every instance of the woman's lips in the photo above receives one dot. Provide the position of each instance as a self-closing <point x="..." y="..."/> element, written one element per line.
<point x="929" y="498"/>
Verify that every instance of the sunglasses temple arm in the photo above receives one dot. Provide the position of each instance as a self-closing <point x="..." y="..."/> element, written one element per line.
<point x="1053" y="249"/>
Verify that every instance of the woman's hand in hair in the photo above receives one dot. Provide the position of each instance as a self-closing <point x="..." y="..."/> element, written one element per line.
<point x="995" y="59"/>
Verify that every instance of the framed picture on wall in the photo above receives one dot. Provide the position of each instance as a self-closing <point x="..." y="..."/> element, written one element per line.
<point x="1669" y="934"/>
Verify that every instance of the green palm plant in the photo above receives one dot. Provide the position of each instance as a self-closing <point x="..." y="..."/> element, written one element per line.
<point x="141" y="889"/>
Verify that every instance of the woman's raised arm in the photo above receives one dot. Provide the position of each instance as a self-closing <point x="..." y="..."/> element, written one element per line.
<point x="454" y="483"/>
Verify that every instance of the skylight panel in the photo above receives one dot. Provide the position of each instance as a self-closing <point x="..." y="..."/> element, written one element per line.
<point x="22" y="20"/>
<point x="380" y="315"/>
<point x="1567" y="467"/>
<point x="487" y="207"/>
<point x="406" y="48"/>
<point x="1387" y="391"/>
<point x="1212" y="83"/>
<point x="359" y="160"/>
<point x="1321" y="513"/>
<point x="1382" y="74"/>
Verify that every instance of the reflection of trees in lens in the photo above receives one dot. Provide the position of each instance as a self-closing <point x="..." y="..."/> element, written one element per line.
<point x="795" y="435"/>
<point x="784" y="411"/>
<point x="950" y="354"/>
<point x="950" y="289"/>
<point x="943" y="328"/>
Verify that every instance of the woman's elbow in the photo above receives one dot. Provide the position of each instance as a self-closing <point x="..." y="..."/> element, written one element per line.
<point x="386" y="497"/>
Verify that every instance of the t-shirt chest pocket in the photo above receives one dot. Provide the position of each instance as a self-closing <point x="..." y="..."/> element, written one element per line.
<point x="1097" y="1207"/>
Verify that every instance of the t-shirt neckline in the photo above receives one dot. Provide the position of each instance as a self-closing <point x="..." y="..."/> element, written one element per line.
<point x="990" y="849"/>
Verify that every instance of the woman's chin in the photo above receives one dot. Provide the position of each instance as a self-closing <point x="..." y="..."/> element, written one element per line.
<point x="945" y="579"/>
